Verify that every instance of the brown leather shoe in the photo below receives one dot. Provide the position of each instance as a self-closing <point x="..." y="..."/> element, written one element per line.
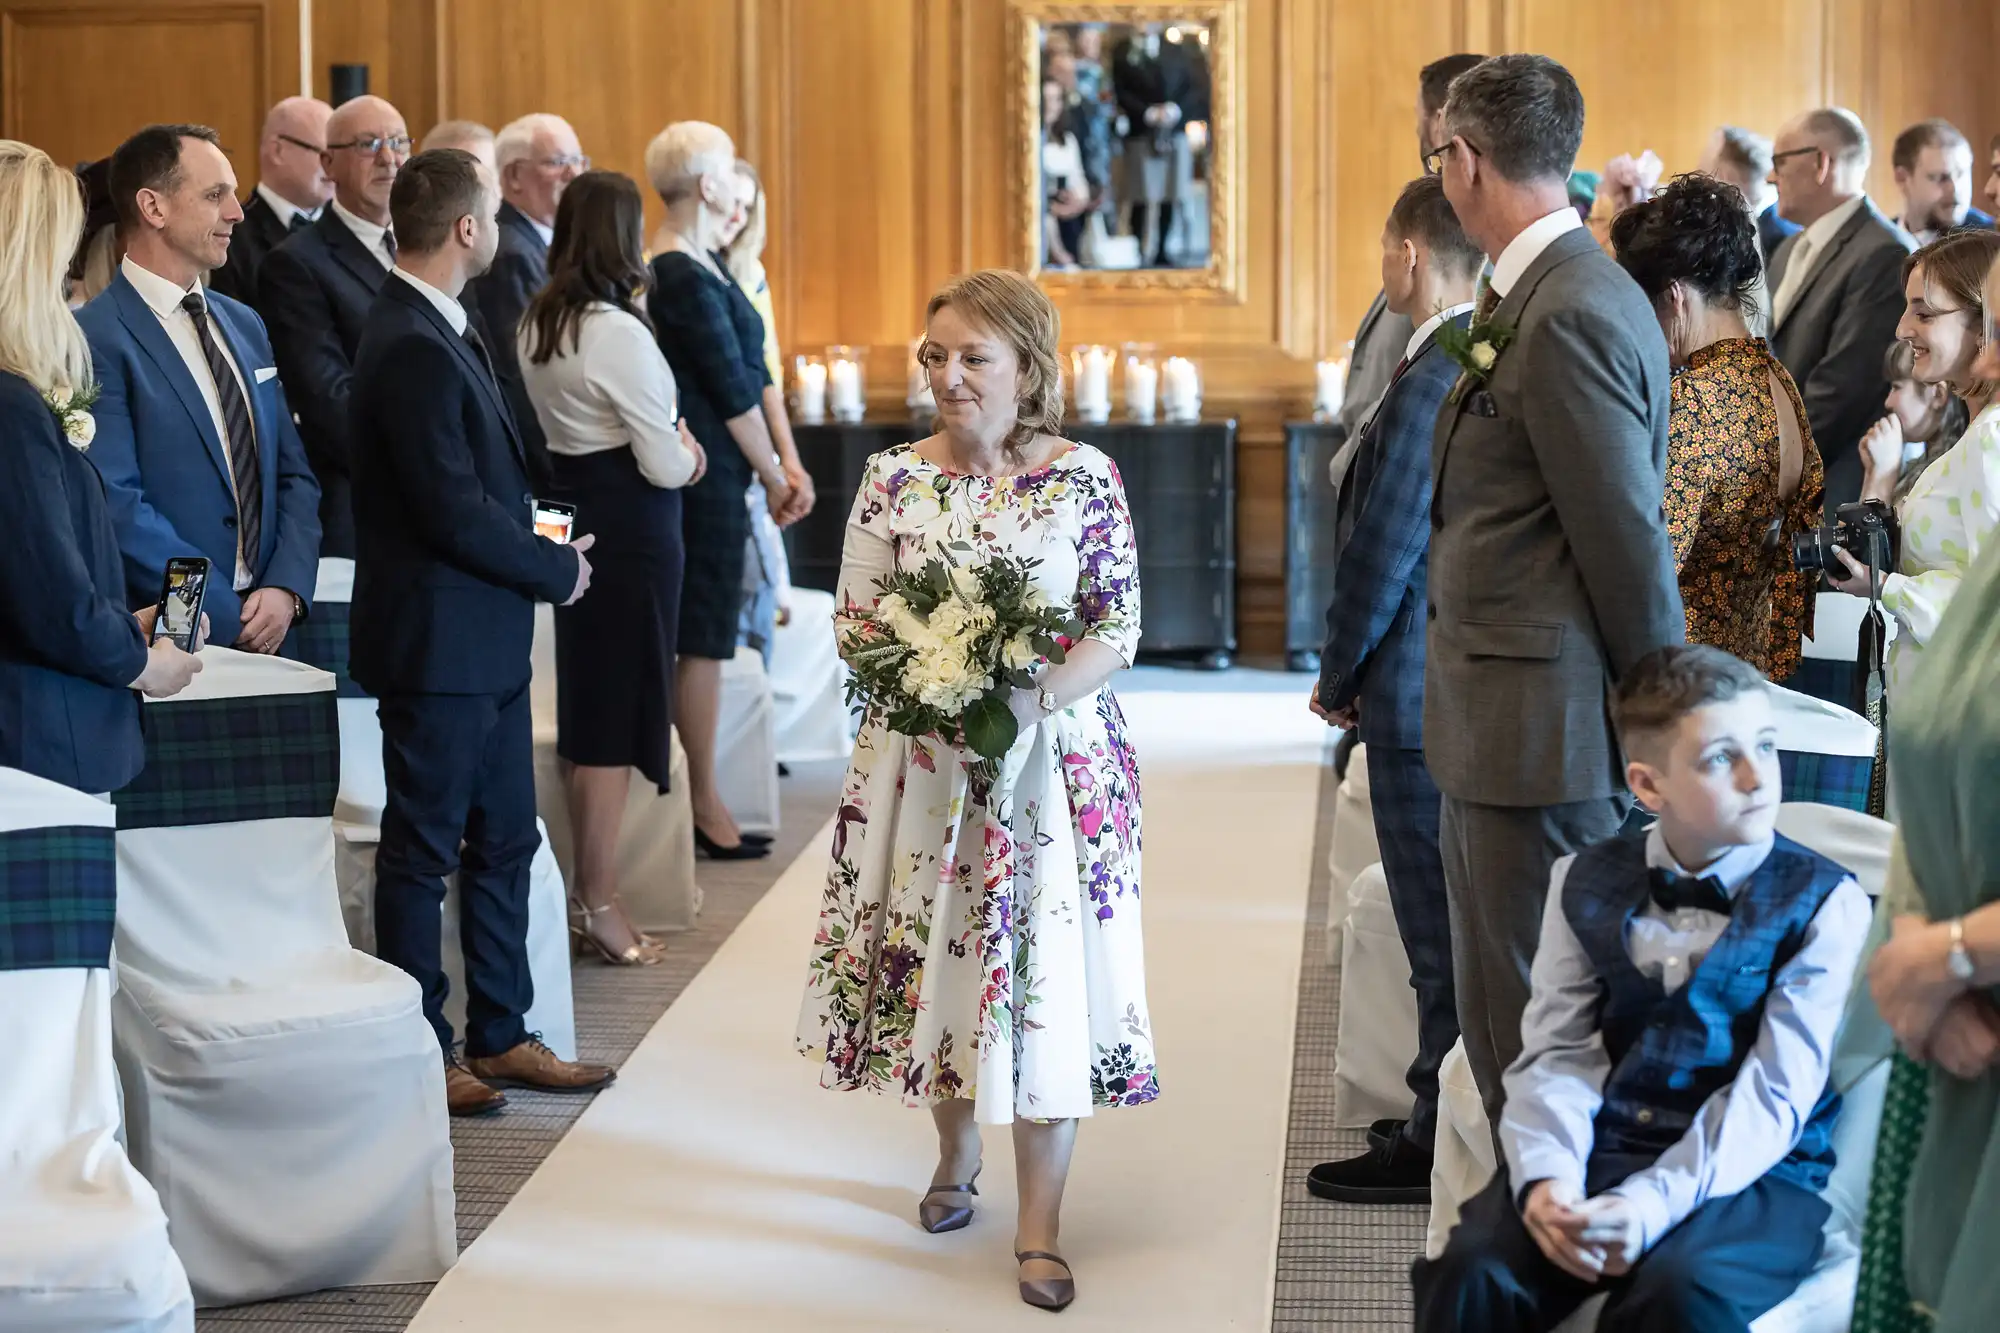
<point x="533" y="1065"/>
<point x="466" y="1095"/>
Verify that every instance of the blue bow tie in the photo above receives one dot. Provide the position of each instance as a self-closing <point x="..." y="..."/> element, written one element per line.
<point x="1674" y="892"/>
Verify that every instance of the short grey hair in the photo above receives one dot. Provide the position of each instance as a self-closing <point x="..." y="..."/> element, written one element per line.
<point x="1524" y="113"/>
<point x="684" y="152"/>
<point x="1746" y="153"/>
<point x="466" y="134"/>
<point x="516" y="140"/>
<point x="1841" y="135"/>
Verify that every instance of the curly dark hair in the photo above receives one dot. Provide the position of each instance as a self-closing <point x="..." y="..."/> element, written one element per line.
<point x="1696" y="231"/>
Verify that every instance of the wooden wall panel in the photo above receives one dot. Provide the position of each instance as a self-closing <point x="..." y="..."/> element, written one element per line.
<point x="397" y="39"/>
<point x="78" y="76"/>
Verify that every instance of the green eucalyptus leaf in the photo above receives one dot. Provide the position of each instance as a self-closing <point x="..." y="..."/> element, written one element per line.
<point x="990" y="727"/>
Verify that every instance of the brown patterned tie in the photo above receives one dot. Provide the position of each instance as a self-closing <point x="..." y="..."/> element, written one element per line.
<point x="1489" y="301"/>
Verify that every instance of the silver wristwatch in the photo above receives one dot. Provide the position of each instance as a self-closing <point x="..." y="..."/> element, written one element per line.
<point x="1046" y="698"/>
<point x="1959" y="961"/>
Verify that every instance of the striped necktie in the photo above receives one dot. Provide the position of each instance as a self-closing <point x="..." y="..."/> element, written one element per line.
<point x="243" y="465"/>
<point x="1489" y="301"/>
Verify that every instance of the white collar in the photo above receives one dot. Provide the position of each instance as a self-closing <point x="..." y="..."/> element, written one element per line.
<point x="1430" y="326"/>
<point x="369" y="234"/>
<point x="1821" y="233"/>
<point x="1730" y="869"/>
<point x="548" y="234"/>
<point x="1525" y="249"/>
<point x="453" y="312"/>
<point x="285" y="208"/>
<point x="161" y="296"/>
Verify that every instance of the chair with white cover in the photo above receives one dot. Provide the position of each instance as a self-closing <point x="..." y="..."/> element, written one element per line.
<point x="282" y="1090"/>
<point x="1824" y="1302"/>
<point x="746" y="744"/>
<point x="1377" y="1031"/>
<point x="808" y="683"/>
<point x="1351" y="847"/>
<point x="1825" y="752"/>
<point x="321" y="640"/>
<point x="83" y="1239"/>
<point x="1828" y="671"/>
<point x="656" y="878"/>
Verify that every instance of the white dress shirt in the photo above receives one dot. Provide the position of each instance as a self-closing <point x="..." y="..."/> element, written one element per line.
<point x="1525" y="249"/>
<point x="369" y="234"/>
<point x="285" y="208"/>
<point x="1430" y="326"/>
<point x="1806" y="253"/>
<point x="613" y="389"/>
<point x="547" y="233"/>
<point x="1556" y="1087"/>
<point x="453" y="312"/>
<point x="164" y="299"/>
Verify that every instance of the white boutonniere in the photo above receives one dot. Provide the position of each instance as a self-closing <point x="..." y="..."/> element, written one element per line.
<point x="1475" y="348"/>
<point x="72" y="413"/>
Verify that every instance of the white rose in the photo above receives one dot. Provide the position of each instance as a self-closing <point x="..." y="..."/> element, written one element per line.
<point x="60" y="395"/>
<point x="1019" y="654"/>
<point x="81" y="429"/>
<point x="1483" y="355"/>
<point x="943" y="679"/>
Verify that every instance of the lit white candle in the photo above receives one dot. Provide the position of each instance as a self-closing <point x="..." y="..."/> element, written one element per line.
<point x="1180" y="389"/>
<point x="1330" y="387"/>
<point x="845" y="380"/>
<point x="1142" y="387"/>
<point x="812" y="392"/>
<point x="1093" y="384"/>
<point x="920" y="398"/>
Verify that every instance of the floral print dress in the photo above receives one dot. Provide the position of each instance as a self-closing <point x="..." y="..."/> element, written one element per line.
<point x="981" y="940"/>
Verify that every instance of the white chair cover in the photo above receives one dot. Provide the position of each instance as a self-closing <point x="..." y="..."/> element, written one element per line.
<point x="656" y="878"/>
<point x="808" y="683"/>
<point x="362" y="786"/>
<point x="1463" y="1160"/>
<point x="1814" y="726"/>
<point x="283" y="1091"/>
<point x="1351" y="847"/>
<point x="553" y="1014"/>
<point x="83" y="1239"/>
<point x="1377" y="1034"/>
<point x="1837" y="627"/>
<point x="1825" y="1300"/>
<point x="746" y="744"/>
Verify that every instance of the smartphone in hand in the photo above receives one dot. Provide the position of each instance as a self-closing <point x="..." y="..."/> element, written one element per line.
<point x="182" y="596"/>
<point x="554" y="519"/>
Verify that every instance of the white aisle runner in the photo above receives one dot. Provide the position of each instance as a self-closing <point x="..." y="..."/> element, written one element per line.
<point x="718" y="1187"/>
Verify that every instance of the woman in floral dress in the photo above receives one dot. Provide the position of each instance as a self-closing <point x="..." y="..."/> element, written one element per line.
<point x="979" y="949"/>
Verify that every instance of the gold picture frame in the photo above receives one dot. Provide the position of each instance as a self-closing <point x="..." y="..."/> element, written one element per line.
<point x="1221" y="277"/>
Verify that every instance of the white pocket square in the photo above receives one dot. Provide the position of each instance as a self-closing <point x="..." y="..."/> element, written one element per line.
<point x="266" y="373"/>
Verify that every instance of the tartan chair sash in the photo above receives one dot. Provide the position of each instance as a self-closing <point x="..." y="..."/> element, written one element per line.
<point x="58" y="896"/>
<point x="321" y="640"/>
<point x="223" y="761"/>
<point x="1829" y="779"/>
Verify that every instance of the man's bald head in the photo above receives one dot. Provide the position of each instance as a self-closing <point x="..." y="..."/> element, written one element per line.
<point x="366" y="144"/>
<point x="289" y="156"/>
<point x="1819" y="161"/>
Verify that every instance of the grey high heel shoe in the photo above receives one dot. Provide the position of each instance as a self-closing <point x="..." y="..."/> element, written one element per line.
<point x="1053" y="1294"/>
<point x="938" y="1218"/>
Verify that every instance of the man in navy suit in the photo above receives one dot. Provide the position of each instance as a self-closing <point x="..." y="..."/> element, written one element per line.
<point x="316" y="289"/>
<point x="1372" y="668"/>
<point x="292" y="191"/>
<point x="194" y="437"/>
<point x="448" y="569"/>
<point x="1933" y="162"/>
<point x="1743" y="158"/>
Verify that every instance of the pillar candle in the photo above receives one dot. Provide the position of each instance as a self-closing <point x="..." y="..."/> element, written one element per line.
<point x="845" y="379"/>
<point x="812" y="392"/>
<point x="1142" y="384"/>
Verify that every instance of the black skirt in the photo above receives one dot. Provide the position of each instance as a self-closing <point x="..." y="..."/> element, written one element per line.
<point x="716" y="527"/>
<point x="615" y="647"/>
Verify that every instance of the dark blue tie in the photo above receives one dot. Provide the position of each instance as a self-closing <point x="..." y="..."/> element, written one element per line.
<point x="1674" y="892"/>
<point x="242" y="441"/>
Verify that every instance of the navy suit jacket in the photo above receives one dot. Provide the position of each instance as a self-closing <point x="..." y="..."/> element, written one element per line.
<point x="68" y="646"/>
<point x="1772" y="229"/>
<point x="1375" y="625"/>
<point x="1976" y="221"/>
<point x="255" y="236"/>
<point x="495" y="301"/>
<point x="316" y="289"/>
<point x="447" y="564"/>
<point x="167" y="471"/>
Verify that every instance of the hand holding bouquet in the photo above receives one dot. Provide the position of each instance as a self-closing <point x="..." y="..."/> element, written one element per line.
<point x="946" y="646"/>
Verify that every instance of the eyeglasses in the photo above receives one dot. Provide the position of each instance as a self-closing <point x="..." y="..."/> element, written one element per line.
<point x="1778" y="159"/>
<point x="581" y="161"/>
<point x="301" y="143"/>
<point x="375" y="143"/>
<point x="1434" y="160"/>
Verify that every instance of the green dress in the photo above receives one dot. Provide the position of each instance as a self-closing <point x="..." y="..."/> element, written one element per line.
<point x="1931" y="1250"/>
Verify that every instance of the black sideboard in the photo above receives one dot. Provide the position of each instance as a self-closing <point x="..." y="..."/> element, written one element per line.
<point x="1180" y="482"/>
<point x="1309" y="514"/>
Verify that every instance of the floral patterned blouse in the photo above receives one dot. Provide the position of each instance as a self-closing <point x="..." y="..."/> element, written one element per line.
<point x="1948" y="518"/>
<point x="1738" y="585"/>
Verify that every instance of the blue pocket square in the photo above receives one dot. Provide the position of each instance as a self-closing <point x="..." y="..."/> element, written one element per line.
<point x="1480" y="403"/>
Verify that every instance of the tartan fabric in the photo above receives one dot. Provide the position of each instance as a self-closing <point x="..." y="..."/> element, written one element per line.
<point x="221" y="761"/>
<point x="1828" y="779"/>
<point x="58" y="897"/>
<point x="321" y="640"/>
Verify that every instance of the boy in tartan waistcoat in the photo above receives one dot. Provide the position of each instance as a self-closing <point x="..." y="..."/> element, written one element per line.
<point x="1668" y="1125"/>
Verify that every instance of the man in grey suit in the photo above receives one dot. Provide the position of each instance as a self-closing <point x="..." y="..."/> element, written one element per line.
<point x="1836" y="288"/>
<point x="1551" y="573"/>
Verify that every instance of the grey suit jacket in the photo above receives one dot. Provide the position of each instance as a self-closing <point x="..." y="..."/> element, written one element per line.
<point x="1550" y="573"/>
<point x="1833" y="337"/>
<point x="1378" y="347"/>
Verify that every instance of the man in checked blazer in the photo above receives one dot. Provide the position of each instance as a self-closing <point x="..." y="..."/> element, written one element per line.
<point x="1372" y="669"/>
<point x="1550" y="569"/>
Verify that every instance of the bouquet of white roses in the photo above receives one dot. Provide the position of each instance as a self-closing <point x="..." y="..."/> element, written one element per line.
<point x="946" y="646"/>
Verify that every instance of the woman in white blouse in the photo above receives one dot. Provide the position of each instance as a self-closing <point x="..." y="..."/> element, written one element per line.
<point x="607" y="402"/>
<point x="1951" y="512"/>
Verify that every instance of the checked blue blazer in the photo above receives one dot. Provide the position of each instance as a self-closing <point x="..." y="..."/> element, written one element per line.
<point x="1375" y="623"/>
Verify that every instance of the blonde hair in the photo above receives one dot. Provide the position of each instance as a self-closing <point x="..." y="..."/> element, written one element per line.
<point x="684" y="152"/>
<point x="41" y="221"/>
<point x="1015" y="310"/>
<point x="746" y="252"/>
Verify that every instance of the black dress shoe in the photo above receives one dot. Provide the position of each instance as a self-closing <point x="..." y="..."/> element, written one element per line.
<point x="1396" y="1172"/>
<point x="745" y="850"/>
<point x="1385" y="1131"/>
<point x="757" y="839"/>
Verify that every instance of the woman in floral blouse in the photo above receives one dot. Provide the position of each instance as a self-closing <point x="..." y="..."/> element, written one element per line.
<point x="1743" y="473"/>
<point x="979" y="949"/>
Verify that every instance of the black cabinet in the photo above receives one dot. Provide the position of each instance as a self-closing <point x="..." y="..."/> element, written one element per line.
<point x="1180" y="482"/>
<point x="1309" y="518"/>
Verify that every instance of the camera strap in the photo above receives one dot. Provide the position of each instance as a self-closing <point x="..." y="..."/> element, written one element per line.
<point x="1874" y="665"/>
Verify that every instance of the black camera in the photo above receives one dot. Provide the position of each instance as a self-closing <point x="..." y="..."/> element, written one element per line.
<point x="1865" y="530"/>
